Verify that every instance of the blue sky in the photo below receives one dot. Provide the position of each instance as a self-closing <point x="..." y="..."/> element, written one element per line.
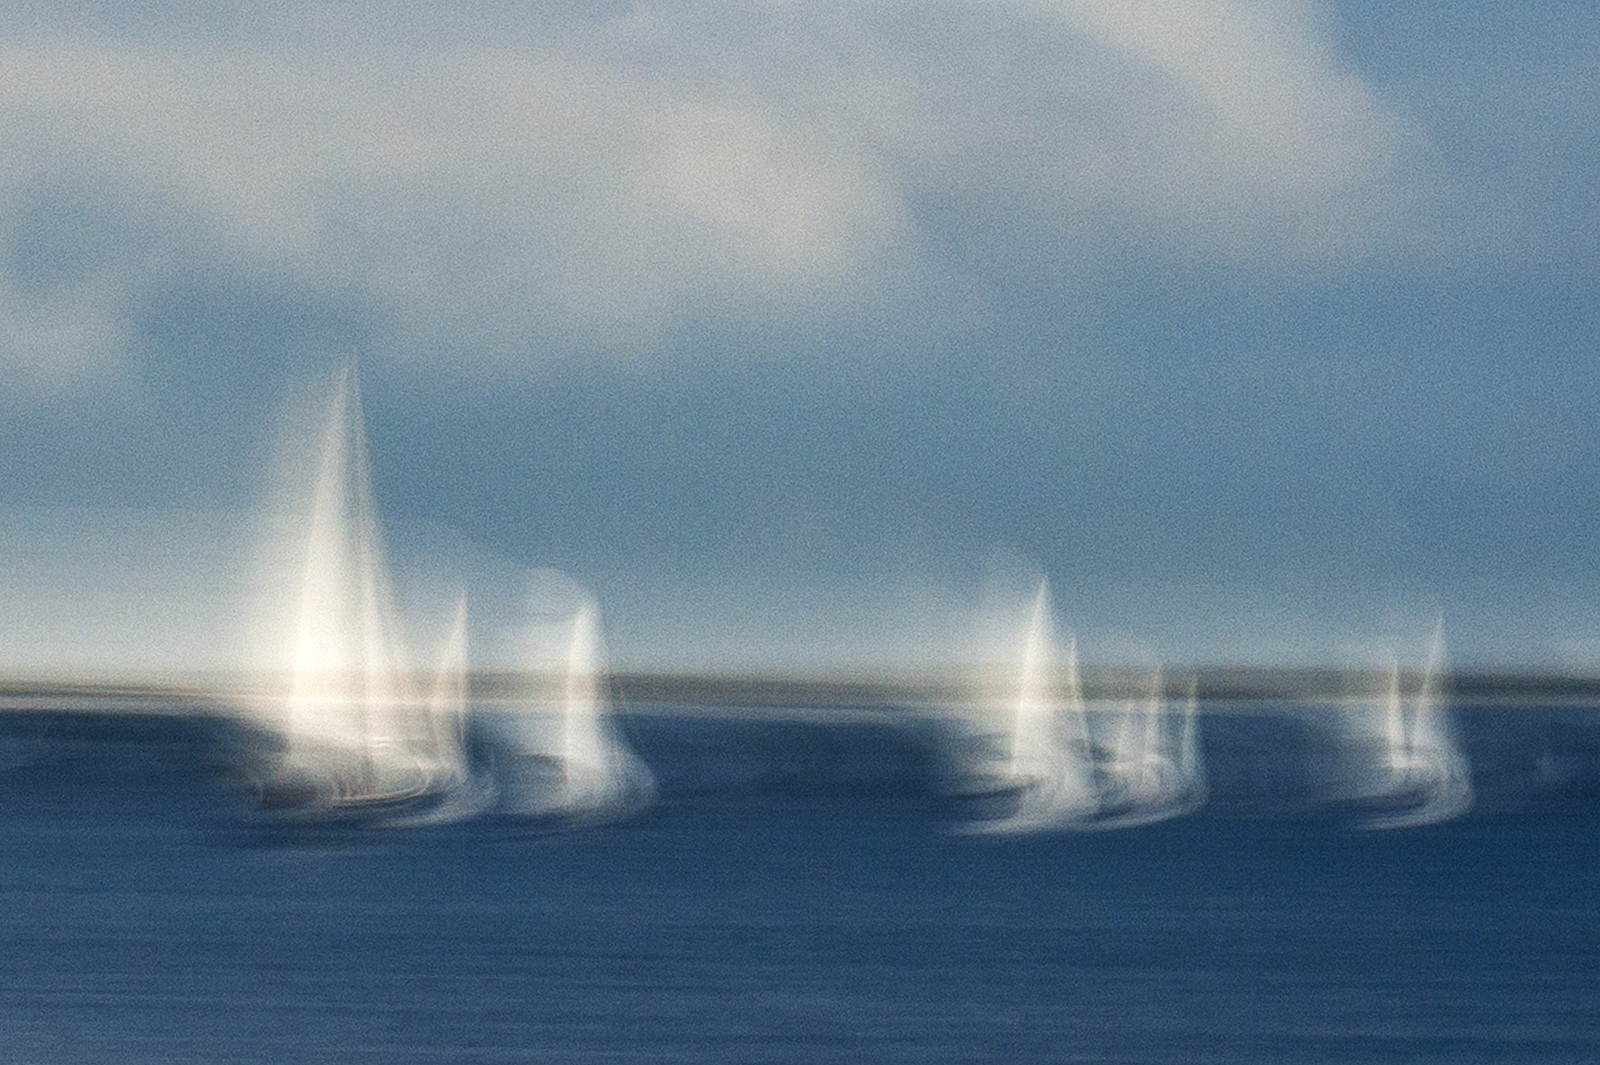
<point x="1262" y="328"/>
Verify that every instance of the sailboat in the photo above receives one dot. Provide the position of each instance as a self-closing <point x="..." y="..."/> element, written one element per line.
<point x="1059" y="768"/>
<point x="558" y="753"/>
<point x="1152" y="770"/>
<point x="1421" y="777"/>
<point x="1045" y="757"/>
<point x="356" y="737"/>
<point x="455" y="791"/>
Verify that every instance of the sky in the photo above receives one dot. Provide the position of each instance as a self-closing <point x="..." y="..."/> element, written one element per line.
<point x="804" y="333"/>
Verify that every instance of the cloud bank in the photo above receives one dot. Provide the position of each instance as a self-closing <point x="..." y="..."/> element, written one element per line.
<point x="511" y="190"/>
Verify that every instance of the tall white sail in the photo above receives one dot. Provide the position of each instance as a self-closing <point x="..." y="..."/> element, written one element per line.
<point x="599" y="771"/>
<point x="352" y="724"/>
<point x="1191" y="764"/>
<point x="444" y="736"/>
<point x="1045" y="744"/>
<point x="454" y="791"/>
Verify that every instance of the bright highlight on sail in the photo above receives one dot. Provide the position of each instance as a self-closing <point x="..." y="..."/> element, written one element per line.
<point x="356" y="734"/>
<point x="1048" y="763"/>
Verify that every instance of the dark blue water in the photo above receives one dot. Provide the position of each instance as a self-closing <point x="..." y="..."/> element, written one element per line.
<point x="777" y="913"/>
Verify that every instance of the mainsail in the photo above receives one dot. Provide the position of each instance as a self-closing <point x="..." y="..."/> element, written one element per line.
<point x="443" y="742"/>
<point x="1049" y="739"/>
<point x="1043" y="743"/>
<point x="558" y="752"/>
<point x="355" y="731"/>
<point x="1422" y="772"/>
<point x="599" y="771"/>
<point x="1151" y="770"/>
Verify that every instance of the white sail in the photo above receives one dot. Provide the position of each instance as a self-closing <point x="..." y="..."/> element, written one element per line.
<point x="1152" y="770"/>
<point x="454" y="791"/>
<point x="599" y="771"/>
<point x="1191" y="764"/>
<point x="1045" y="745"/>
<point x="1423" y="772"/>
<point x="351" y="720"/>
<point x="559" y="752"/>
<point x="1132" y="769"/>
<point x="445" y="747"/>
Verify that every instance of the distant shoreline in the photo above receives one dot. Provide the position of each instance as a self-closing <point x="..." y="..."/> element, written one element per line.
<point x="637" y="691"/>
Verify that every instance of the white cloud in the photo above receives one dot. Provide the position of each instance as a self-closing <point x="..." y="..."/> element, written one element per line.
<point x="1225" y="127"/>
<point x="596" y="187"/>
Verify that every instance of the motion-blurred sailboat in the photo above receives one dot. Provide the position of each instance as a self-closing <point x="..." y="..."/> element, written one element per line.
<point x="1421" y="776"/>
<point x="559" y="754"/>
<point x="1061" y="767"/>
<point x="1044" y="766"/>
<point x="356" y="736"/>
<point x="1152" y="769"/>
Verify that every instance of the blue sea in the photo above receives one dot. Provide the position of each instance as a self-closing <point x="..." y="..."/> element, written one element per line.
<point x="799" y="893"/>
